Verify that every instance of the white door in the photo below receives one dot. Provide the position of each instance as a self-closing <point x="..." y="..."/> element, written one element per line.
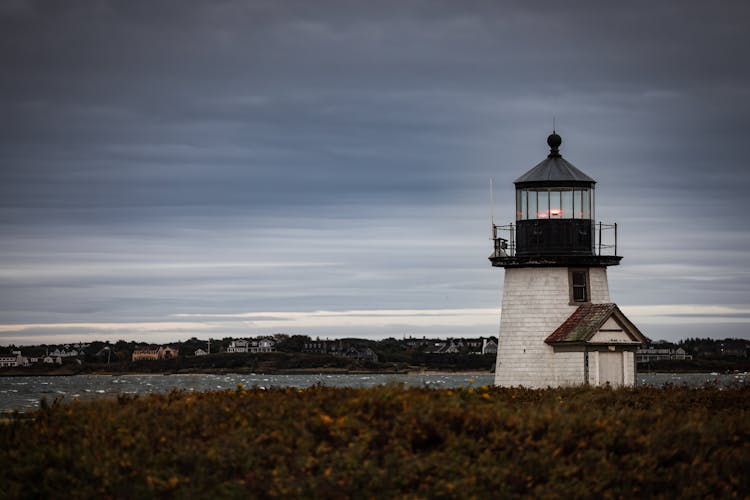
<point x="610" y="368"/>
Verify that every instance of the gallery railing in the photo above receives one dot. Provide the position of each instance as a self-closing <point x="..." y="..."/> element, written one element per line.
<point x="604" y="241"/>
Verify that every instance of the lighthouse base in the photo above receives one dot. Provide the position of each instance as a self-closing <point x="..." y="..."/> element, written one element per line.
<point x="596" y="345"/>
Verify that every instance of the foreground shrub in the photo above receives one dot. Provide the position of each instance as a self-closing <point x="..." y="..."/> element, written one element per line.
<point x="383" y="442"/>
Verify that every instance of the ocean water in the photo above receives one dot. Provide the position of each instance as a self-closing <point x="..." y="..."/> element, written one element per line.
<point x="27" y="392"/>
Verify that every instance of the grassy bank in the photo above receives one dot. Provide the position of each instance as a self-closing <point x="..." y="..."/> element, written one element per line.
<point x="481" y="442"/>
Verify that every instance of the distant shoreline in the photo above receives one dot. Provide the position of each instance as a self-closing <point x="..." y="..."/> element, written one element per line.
<point x="309" y="371"/>
<point x="21" y="372"/>
<point x="739" y="365"/>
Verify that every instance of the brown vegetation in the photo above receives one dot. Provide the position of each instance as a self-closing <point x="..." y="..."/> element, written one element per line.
<point x="386" y="441"/>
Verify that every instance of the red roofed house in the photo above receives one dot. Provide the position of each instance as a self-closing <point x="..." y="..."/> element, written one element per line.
<point x="558" y="325"/>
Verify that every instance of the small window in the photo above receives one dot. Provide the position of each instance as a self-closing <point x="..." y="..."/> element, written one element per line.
<point x="579" y="285"/>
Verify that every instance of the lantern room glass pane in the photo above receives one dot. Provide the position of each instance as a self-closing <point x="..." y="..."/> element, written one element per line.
<point x="593" y="205"/>
<point x="532" y="205"/>
<point x="542" y="210"/>
<point x="560" y="203"/>
<point x="567" y="204"/>
<point x="555" y="210"/>
<point x="586" y="204"/>
<point x="521" y="204"/>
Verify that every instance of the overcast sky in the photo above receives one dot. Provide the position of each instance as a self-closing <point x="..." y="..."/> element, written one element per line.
<point x="235" y="168"/>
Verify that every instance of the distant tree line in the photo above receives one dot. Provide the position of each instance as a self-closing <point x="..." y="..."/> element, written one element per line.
<point x="392" y="354"/>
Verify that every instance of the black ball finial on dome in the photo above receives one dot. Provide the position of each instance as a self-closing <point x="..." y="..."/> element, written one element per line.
<point x="554" y="141"/>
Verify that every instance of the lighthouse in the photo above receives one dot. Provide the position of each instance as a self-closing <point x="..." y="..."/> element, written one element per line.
<point x="558" y="324"/>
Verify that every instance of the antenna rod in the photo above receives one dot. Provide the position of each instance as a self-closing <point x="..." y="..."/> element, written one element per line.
<point x="492" y="209"/>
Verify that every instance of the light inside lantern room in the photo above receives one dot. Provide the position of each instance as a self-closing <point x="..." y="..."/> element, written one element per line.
<point x="572" y="203"/>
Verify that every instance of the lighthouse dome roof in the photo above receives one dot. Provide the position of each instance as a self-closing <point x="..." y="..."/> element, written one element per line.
<point x="554" y="170"/>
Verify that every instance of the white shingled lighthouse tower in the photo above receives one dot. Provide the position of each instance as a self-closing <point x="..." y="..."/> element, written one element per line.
<point x="558" y="325"/>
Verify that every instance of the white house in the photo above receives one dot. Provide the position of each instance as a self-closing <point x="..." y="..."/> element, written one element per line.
<point x="239" y="345"/>
<point x="661" y="351"/>
<point x="262" y="345"/>
<point x="63" y="353"/>
<point x="489" y="346"/>
<point x="251" y="346"/>
<point x="7" y="361"/>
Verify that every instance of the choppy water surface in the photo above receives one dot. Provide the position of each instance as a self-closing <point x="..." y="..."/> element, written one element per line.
<point x="27" y="392"/>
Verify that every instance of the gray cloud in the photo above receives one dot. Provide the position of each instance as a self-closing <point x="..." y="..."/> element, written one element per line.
<point x="347" y="145"/>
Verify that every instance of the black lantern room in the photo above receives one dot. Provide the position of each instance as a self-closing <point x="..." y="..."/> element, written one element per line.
<point x="554" y="207"/>
<point x="555" y="221"/>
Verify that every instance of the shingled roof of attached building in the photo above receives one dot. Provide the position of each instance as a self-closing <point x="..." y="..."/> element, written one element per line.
<point x="583" y="323"/>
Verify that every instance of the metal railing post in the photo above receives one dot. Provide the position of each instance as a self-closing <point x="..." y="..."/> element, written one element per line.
<point x="600" y="238"/>
<point x="615" y="238"/>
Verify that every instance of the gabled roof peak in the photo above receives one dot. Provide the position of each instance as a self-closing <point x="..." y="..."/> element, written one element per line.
<point x="587" y="319"/>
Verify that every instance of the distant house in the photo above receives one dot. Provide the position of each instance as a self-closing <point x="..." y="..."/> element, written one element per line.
<point x="251" y="346"/>
<point x="200" y="352"/>
<point x="450" y="348"/>
<point x="444" y="347"/>
<point x="324" y="346"/>
<point x="262" y="345"/>
<point x="152" y="353"/>
<point x="20" y="359"/>
<point x="240" y="346"/>
<point x="472" y="345"/>
<point x="362" y="354"/>
<point x="340" y="348"/>
<point x="480" y="345"/>
<point x="658" y="351"/>
<point x="63" y="353"/>
<point x="489" y="346"/>
<point x="14" y="360"/>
